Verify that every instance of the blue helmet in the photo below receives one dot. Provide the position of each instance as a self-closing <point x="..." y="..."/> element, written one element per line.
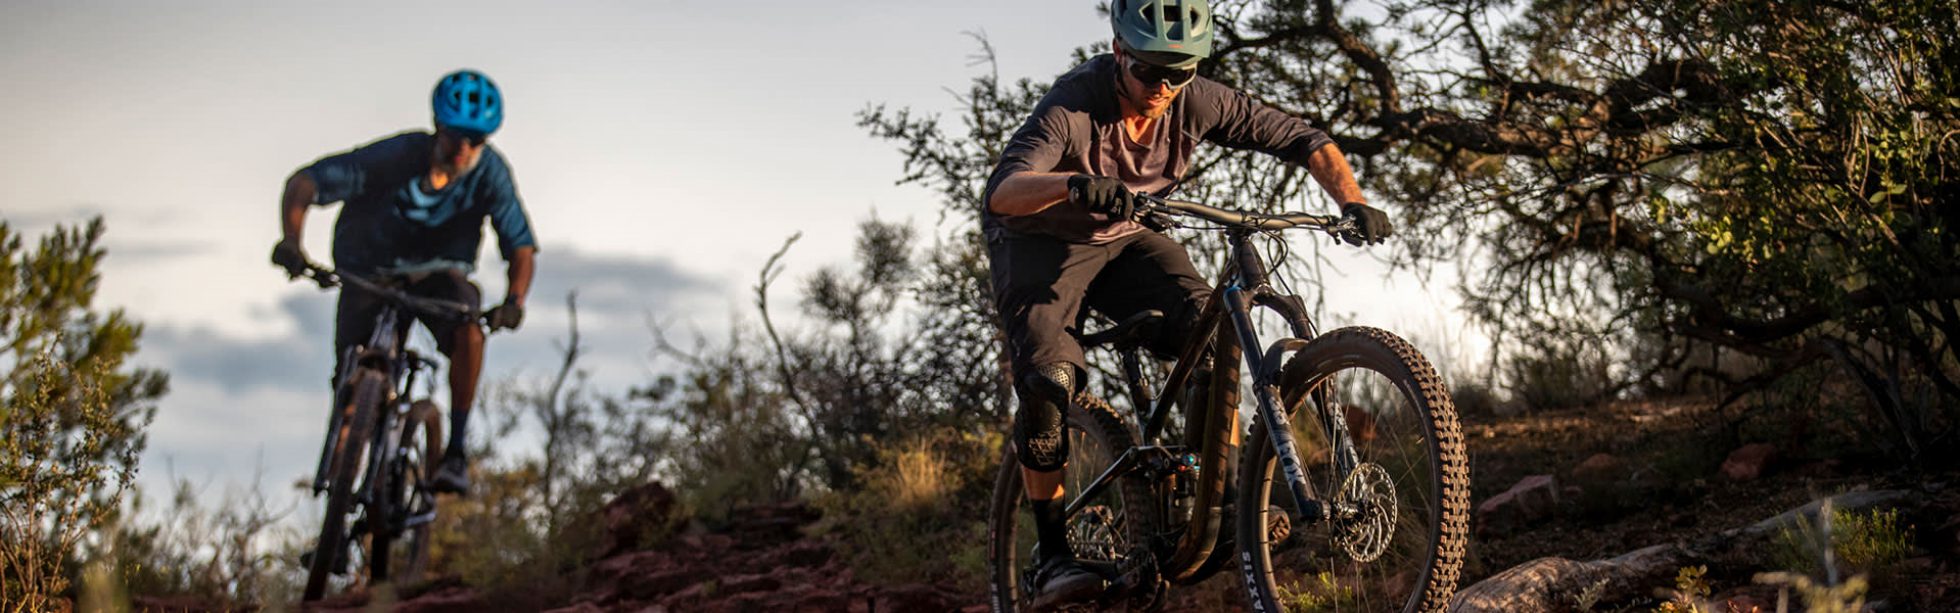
<point x="467" y="100"/>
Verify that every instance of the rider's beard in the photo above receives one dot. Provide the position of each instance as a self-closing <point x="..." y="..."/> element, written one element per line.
<point x="1136" y="98"/>
<point x="459" y="163"/>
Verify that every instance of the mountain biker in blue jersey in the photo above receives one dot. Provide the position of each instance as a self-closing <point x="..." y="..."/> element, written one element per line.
<point x="413" y="209"/>
<point x="1061" y="232"/>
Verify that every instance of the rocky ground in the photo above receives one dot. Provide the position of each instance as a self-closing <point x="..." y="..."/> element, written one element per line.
<point x="758" y="560"/>
<point x="1597" y="509"/>
<point x="1617" y="500"/>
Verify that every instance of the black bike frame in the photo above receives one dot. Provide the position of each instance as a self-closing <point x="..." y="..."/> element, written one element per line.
<point x="381" y="354"/>
<point x="384" y="354"/>
<point x="1244" y="286"/>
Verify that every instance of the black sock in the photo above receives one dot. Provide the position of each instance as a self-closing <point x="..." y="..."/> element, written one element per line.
<point x="1051" y="528"/>
<point x="458" y="441"/>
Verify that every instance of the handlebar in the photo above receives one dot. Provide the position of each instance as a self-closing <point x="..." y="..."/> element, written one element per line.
<point x="445" y="309"/>
<point x="1333" y="224"/>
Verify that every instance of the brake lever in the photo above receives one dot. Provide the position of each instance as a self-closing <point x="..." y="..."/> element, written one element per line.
<point x="1158" y="220"/>
<point x="321" y="276"/>
<point x="1341" y="228"/>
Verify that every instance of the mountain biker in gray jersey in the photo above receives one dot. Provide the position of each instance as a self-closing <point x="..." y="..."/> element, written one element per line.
<point x="414" y="206"/>
<point x="1061" y="232"/>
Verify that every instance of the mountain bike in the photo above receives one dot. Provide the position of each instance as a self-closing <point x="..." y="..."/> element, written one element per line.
<point x="381" y="450"/>
<point x="1351" y="490"/>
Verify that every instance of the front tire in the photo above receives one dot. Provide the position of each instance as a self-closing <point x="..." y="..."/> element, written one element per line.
<point x="329" y="551"/>
<point x="1404" y="549"/>
<point x="408" y="499"/>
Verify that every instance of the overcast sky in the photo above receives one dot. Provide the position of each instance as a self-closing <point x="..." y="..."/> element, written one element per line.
<point x="663" y="149"/>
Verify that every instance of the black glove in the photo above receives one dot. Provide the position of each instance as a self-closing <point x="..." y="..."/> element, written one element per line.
<point x="1104" y="195"/>
<point x="506" y="316"/>
<point x="1371" y="225"/>
<point x="289" y="255"/>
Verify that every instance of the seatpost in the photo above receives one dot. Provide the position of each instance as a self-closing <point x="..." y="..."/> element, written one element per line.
<point x="1140" y="397"/>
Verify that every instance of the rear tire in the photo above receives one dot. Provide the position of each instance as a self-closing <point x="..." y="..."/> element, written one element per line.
<point x="1404" y="553"/>
<point x="369" y="391"/>
<point x="1119" y="521"/>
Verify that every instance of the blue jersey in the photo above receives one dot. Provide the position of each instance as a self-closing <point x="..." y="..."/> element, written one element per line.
<point x="390" y="221"/>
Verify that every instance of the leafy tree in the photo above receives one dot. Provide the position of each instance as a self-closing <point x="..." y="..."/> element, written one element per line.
<point x="1677" y="181"/>
<point x="72" y="412"/>
<point x="956" y="292"/>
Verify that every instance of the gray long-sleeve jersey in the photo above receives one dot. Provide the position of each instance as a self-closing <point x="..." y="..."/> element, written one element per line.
<point x="1076" y="128"/>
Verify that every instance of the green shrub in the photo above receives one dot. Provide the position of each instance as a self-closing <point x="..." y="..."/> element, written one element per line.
<point x="234" y="553"/>
<point x="1553" y="372"/>
<point x="1319" y="592"/>
<point x="1691" y="591"/>
<point x="1871" y="542"/>
<point x="1845" y="597"/>
<point x="72" y="410"/>
<point x="920" y="513"/>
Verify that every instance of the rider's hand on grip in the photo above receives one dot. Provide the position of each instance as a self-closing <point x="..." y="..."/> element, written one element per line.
<point x="289" y="255"/>
<point x="1371" y="225"/>
<point x="1104" y="195"/>
<point x="506" y="316"/>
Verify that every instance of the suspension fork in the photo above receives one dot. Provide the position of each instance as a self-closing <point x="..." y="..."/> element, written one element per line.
<point x="342" y="394"/>
<point x="1279" y="427"/>
<point x="1332" y="420"/>
<point x="384" y="342"/>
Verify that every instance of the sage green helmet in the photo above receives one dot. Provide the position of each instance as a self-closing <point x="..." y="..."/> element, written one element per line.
<point x="1171" y="33"/>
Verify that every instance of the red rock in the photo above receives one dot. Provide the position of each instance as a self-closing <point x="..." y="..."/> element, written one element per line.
<point x="743" y="584"/>
<point x="446" y="600"/>
<point x="1749" y="462"/>
<point x="1533" y="498"/>
<point x="1600" y="469"/>
<point x="645" y="587"/>
<point x="915" y="597"/>
<point x="801" y="554"/>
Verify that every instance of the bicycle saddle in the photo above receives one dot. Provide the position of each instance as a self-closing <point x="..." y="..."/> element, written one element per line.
<point x="1125" y="334"/>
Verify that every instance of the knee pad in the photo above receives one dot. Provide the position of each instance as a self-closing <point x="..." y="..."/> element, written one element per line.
<point x="1040" y="430"/>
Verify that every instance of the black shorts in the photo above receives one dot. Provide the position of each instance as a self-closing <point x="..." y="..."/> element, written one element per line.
<point x="357" y="310"/>
<point x="1041" y="284"/>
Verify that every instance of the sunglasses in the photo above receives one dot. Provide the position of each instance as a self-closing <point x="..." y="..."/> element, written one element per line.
<point x="470" y="138"/>
<point x="1151" y="74"/>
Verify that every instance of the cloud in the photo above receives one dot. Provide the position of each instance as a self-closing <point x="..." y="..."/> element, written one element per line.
<point x="158" y="252"/>
<point x="614" y="285"/>
<point x="300" y="358"/>
<point x="239" y="404"/>
<point x="32" y="222"/>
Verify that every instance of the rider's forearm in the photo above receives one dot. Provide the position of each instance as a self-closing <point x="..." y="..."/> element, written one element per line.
<point x="1331" y="170"/>
<point x="1027" y="193"/>
<point x="300" y="190"/>
<point x="522" y="263"/>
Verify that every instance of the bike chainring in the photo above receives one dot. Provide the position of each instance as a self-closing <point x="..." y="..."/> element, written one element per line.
<point x="1371" y="493"/>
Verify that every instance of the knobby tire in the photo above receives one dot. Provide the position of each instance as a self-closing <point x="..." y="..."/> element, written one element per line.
<point x="1334" y="359"/>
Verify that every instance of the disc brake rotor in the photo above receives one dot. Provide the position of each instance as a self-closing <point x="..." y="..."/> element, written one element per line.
<point x="1095" y="535"/>
<point x="1366" y="535"/>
